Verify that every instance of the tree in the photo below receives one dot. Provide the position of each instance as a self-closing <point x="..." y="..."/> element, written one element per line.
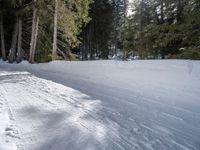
<point x="54" y="54"/>
<point x="98" y="34"/>
<point x="162" y="27"/>
<point x="3" y="51"/>
<point x="33" y="40"/>
<point x="34" y="33"/>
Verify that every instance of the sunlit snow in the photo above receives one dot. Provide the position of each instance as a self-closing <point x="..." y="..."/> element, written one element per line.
<point x="98" y="105"/>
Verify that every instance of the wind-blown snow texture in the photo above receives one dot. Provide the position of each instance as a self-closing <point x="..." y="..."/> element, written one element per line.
<point x="100" y="105"/>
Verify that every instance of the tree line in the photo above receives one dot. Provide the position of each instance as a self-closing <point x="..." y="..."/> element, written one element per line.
<point x="44" y="30"/>
<point x="103" y="35"/>
<point x="154" y="29"/>
<point x="163" y="29"/>
<point x="41" y="30"/>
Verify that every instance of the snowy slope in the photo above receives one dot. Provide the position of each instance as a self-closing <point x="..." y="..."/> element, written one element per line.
<point x="98" y="105"/>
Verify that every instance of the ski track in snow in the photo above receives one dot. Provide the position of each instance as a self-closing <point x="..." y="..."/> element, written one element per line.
<point x="117" y="106"/>
<point x="43" y="111"/>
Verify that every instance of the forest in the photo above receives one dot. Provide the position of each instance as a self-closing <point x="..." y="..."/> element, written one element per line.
<point x="99" y="74"/>
<point x="45" y="30"/>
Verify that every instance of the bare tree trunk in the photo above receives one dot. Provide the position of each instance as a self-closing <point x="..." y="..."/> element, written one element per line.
<point x="12" y="54"/>
<point x="141" y="29"/>
<point x="91" y="40"/>
<point x="179" y="11"/>
<point x="34" y="33"/>
<point x="3" y="51"/>
<point x="84" y="45"/>
<point x="88" y="41"/>
<point x="19" y="43"/>
<point x="54" y="54"/>
<point x="162" y="12"/>
<point x="35" y="38"/>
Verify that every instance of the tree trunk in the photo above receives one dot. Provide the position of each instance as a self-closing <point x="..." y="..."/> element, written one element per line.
<point x="12" y="54"/>
<point x="3" y="51"/>
<point x="54" y="54"/>
<point x="141" y="15"/>
<point x="84" y="53"/>
<point x="19" y="43"/>
<point x="91" y="40"/>
<point x="179" y="11"/>
<point x="116" y="30"/>
<point x="34" y="33"/>
<point x="35" y="38"/>
<point x="86" y="43"/>
<point x="162" y="12"/>
<point x="141" y="29"/>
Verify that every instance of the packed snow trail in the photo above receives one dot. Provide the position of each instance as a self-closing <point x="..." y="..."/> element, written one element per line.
<point x="116" y="105"/>
<point x="47" y="116"/>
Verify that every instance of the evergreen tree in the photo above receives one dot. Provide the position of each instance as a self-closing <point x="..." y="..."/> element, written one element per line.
<point x="34" y="27"/>
<point x="162" y="28"/>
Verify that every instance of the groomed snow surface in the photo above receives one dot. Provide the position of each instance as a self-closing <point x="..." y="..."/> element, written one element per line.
<point x="100" y="105"/>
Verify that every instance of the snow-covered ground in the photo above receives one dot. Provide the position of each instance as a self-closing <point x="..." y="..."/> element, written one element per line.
<point x="100" y="105"/>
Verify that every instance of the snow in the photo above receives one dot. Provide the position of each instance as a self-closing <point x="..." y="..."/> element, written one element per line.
<point x="96" y="105"/>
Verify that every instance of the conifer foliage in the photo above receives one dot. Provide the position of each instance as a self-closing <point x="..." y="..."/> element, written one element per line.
<point x="163" y="29"/>
<point x="40" y="30"/>
<point x="44" y="30"/>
